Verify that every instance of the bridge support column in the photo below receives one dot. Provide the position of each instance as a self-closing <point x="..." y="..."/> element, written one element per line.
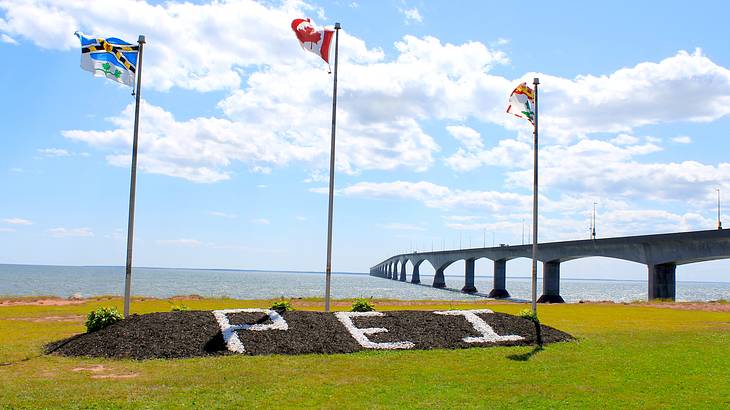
<point x="662" y="281"/>
<point x="416" y="277"/>
<point x="395" y="271"/>
<point x="403" y="272"/>
<point x="469" y="277"/>
<point x="551" y="283"/>
<point x="500" y="280"/>
<point x="389" y="273"/>
<point x="438" y="279"/>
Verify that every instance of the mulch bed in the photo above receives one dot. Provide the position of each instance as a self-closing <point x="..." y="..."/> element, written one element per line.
<point x="196" y="333"/>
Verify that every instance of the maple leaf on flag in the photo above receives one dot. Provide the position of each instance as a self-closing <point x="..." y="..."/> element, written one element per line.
<point x="311" y="39"/>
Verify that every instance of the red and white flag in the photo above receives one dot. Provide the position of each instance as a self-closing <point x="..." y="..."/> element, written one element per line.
<point x="318" y="42"/>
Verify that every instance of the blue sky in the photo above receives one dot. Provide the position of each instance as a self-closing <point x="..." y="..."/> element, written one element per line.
<point x="235" y="131"/>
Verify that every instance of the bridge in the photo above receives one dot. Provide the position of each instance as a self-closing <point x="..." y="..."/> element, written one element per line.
<point x="661" y="253"/>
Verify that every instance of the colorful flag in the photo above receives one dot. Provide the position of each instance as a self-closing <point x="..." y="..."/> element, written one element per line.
<point x="109" y="57"/>
<point x="522" y="102"/>
<point x="318" y="42"/>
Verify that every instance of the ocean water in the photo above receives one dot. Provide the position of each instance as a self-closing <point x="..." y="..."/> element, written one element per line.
<point x="64" y="281"/>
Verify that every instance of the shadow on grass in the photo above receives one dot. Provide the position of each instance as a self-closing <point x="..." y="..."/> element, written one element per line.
<point x="525" y="356"/>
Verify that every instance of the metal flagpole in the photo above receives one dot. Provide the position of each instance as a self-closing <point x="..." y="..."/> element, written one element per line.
<point x="328" y="268"/>
<point x="133" y="183"/>
<point x="536" y="81"/>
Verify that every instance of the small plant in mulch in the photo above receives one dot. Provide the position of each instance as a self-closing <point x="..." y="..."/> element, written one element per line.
<point x="532" y="316"/>
<point x="362" y="305"/>
<point x="179" y="308"/>
<point x="282" y="306"/>
<point x="101" y="318"/>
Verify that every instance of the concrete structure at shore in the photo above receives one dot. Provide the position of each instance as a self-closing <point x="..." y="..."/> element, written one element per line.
<point x="661" y="254"/>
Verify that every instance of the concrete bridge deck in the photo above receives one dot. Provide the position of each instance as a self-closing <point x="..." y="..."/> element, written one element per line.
<point x="661" y="253"/>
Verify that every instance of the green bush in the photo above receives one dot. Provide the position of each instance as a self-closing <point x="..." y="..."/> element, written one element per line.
<point x="282" y="306"/>
<point x="180" y="308"/>
<point x="529" y="314"/>
<point x="101" y="318"/>
<point x="362" y="305"/>
<point x="532" y="316"/>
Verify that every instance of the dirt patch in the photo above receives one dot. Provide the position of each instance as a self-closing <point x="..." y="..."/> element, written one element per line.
<point x="713" y="306"/>
<point x="72" y="318"/>
<point x="197" y="333"/>
<point x="41" y="302"/>
<point x="100" y="371"/>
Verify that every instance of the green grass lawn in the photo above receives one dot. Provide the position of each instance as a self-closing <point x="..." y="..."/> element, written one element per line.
<point x="634" y="356"/>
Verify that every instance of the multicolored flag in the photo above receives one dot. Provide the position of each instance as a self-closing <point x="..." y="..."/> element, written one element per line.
<point x="318" y="42"/>
<point x="109" y="57"/>
<point x="522" y="102"/>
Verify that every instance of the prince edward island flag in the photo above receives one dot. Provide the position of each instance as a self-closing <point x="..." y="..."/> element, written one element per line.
<point x="109" y="57"/>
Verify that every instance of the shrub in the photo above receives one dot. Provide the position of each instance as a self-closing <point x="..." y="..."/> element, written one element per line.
<point x="282" y="306"/>
<point x="362" y="305"/>
<point x="180" y="308"/>
<point x="532" y="317"/>
<point x="101" y="318"/>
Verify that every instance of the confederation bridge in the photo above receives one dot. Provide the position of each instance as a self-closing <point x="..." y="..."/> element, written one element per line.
<point x="660" y="253"/>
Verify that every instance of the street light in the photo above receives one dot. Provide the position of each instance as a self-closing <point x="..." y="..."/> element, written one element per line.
<point x="719" y="223"/>
<point x="593" y="232"/>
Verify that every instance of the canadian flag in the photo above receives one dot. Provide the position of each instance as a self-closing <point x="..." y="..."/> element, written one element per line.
<point x="318" y="42"/>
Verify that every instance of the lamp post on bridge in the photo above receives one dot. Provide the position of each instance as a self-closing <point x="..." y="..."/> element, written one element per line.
<point x="719" y="223"/>
<point x="593" y="229"/>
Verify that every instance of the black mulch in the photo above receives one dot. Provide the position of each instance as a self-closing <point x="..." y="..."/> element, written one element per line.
<point x="196" y="333"/>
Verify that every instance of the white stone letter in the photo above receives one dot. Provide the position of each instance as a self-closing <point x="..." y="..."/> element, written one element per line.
<point x="229" y="331"/>
<point x="488" y="334"/>
<point x="360" y="334"/>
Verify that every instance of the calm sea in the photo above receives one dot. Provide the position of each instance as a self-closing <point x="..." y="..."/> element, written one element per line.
<point x="64" y="281"/>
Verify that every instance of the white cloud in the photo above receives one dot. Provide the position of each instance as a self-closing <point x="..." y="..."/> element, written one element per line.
<point x="683" y="139"/>
<point x="412" y="15"/>
<point x="243" y="33"/>
<point x="438" y="196"/>
<point x="8" y="40"/>
<point x="193" y="243"/>
<point x="54" y="152"/>
<point x="71" y="232"/>
<point x="397" y="226"/>
<point x="469" y="137"/>
<point x="17" y="221"/>
<point x="7" y="229"/>
<point x="625" y="139"/>
<point x="684" y="87"/>
<point x="261" y="221"/>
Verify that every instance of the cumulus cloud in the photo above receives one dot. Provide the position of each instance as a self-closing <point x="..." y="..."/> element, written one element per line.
<point x="683" y="139"/>
<point x="17" y="221"/>
<point x="412" y="15"/>
<point x="54" y="152"/>
<point x="71" y="232"/>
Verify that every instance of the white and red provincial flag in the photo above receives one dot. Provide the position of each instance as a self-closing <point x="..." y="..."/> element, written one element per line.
<point x="318" y="42"/>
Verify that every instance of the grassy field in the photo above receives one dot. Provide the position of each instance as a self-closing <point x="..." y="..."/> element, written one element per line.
<point x="635" y="356"/>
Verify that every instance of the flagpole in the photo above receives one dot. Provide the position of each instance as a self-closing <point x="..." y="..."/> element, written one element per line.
<point x="328" y="267"/>
<point x="536" y="81"/>
<point x="133" y="182"/>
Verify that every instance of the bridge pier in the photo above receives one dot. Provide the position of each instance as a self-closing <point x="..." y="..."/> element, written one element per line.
<point x="403" y="271"/>
<point x="469" y="277"/>
<point x="551" y="283"/>
<point x="390" y="271"/>
<point x="438" y="279"/>
<point x="500" y="280"/>
<point x="395" y="271"/>
<point x="416" y="277"/>
<point x="662" y="281"/>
